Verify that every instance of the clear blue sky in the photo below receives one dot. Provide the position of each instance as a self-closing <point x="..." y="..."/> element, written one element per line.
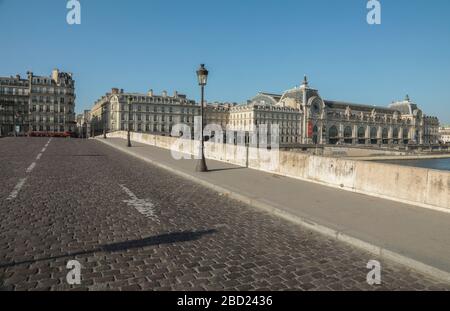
<point x="249" y="46"/>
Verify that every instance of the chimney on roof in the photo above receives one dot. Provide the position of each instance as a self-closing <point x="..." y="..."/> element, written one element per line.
<point x="115" y="90"/>
<point x="121" y="91"/>
<point x="150" y="93"/>
<point x="175" y="94"/>
<point x="55" y="75"/>
<point x="164" y="93"/>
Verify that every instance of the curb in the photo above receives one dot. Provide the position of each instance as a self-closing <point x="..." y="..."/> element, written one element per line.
<point x="311" y="225"/>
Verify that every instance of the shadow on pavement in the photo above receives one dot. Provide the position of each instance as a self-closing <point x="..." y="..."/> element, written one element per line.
<point x="168" y="238"/>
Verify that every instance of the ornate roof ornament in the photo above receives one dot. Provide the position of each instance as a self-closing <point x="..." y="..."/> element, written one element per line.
<point x="348" y="112"/>
<point x="373" y="114"/>
<point x="305" y="81"/>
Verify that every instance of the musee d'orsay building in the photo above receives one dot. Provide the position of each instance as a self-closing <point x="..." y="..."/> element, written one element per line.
<point x="335" y="122"/>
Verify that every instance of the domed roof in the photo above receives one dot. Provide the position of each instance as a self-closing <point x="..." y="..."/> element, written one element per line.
<point x="292" y="98"/>
<point x="405" y="107"/>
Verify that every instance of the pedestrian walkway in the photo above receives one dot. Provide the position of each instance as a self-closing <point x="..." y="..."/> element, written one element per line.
<point x="411" y="235"/>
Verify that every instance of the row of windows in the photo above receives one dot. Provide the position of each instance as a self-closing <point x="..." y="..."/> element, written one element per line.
<point x="285" y="116"/>
<point x="147" y="127"/>
<point x="162" y="100"/>
<point x="289" y="139"/>
<point x="57" y="91"/>
<point x="140" y="117"/>
<point x="25" y="91"/>
<point x="159" y="109"/>
<point x="51" y="109"/>
<point x="14" y="82"/>
<point x="59" y="119"/>
<point x="283" y="131"/>
<point x="257" y="122"/>
<point x="13" y="91"/>
<point x="49" y="99"/>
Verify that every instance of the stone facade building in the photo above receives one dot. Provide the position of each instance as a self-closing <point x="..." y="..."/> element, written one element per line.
<point x="302" y="117"/>
<point x="444" y="134"/>
<point x="335" y="122"/>
<point x="84" y="124"/>
<point x="431" y="130"/>
<point x="149" y="112"/>
<point x="37" y="103"/>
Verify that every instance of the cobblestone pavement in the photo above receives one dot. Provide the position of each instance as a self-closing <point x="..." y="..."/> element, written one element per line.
<point x="133" y="226"/>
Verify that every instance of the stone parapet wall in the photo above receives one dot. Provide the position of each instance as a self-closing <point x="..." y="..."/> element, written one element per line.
<point x="418" y="186"/>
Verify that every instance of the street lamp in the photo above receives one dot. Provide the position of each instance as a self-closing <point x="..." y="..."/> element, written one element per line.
<point x="129" y="122"/>
<point x="104" y="121"/>
<point x="202" y="75"/>
<point x="14" y="120"/>
<point x="1" y="124"/>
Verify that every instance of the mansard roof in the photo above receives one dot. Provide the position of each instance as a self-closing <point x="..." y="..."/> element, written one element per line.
<point x="358" y="107"/>
<point x="405" y="107"/>
<point x="271" y="98"/>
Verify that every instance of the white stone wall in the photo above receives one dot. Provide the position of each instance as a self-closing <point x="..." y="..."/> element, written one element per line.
<point x="424" y="187"/>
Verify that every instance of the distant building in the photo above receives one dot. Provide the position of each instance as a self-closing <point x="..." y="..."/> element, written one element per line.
<point x="149" y="112"/>
<point x="444" y="133"/>
<point x="431" y="130"/>
<point x="84" y="124"/>
<point x="336" y="122"/>
<point x="37" y="103"/>
<point x="302" y="117"/>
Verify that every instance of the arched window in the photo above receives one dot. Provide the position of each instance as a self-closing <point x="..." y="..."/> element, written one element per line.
<point x="373" y="135"/>
<point x="361" y="135"/>
<point x="385" y="136"/>
<point x="315" y="135"/>
<point x="405" y="136"/>
<point x="395" y="136"/>
<point x="333" y="136"/>
<point x="348" y="135"/>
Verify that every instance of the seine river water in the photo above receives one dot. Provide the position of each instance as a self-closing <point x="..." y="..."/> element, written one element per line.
<point x="436" y="164"/>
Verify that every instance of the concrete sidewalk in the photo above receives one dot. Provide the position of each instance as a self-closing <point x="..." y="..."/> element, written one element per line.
<point x="411" y="235"/>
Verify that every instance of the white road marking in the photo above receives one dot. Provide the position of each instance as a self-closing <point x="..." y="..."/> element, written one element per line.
<point x="17" y="189"/>
<point x="143" y="206"/>
<point x="31" y="167"/>
<point x="22" y="181"/>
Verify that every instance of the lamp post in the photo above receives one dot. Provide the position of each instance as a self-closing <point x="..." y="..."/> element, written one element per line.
<point x="202" y="75"/>
<point x="14" y="120"/>
<point x="104" y="121"/>
<point x="1" y="124"/>
<point x="129" y="122"/>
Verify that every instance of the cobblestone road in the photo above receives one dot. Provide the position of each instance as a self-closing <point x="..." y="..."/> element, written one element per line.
<point x="133" y="226"/>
